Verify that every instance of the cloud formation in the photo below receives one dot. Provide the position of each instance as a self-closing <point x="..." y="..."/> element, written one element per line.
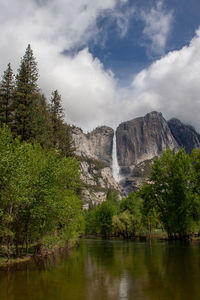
<point x="170" y="85"/>
<point x="52" y="27"/>
<point x="158" y="23"/>
<point x="91" y="95"/>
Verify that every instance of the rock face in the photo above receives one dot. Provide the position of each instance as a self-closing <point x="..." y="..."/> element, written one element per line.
<point x="102" y="140"/>
<point x="143" y="138"/>
<point x="93" y="175"/>
<point x="185" y="135"/>
<point x="139" y="173"/>
<point x="138" y="142"/>
<point x="95" y="153"/>
<point x="83" y="147"/>
<point x="97" y="180"/>
<point x="96" y="144"/>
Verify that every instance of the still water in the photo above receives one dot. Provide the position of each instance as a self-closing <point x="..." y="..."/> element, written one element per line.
<point x="110" y="270"/>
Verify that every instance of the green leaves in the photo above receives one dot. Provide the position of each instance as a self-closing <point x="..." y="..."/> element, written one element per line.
<point x="38" y="192"/>
<point x="7" y="89"/>
<point x="174" y="191"/>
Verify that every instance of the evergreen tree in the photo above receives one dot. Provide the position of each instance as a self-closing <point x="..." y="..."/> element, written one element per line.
<point x="42" y="130"/>
<point x="57" y="114"/>
<point x="26" y="95"/>
<point x="66" y="144"/>
<point x="7" y="87"/>
<point x="61" y="132"/>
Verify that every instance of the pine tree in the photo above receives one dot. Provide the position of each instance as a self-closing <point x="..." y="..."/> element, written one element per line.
<point x="26" y="95"/>
<point x="42" y="129"/>
<point x="66" y="144"/>
<point x="7" y="88"/>
<point x="62" y="139"/>
<point x="57" y="116"/>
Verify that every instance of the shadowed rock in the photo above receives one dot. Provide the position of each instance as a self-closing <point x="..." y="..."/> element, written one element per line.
<point x="143" y="138"/>
<point x="185" y="135"/>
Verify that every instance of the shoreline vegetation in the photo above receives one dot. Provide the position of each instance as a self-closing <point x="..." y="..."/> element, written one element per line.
<point x="44" y="253"/>
<point x="169" y="202"/>
<point x="40" y="183"/>
<point x="40" y="186"/>
<point x="14" y="263"/>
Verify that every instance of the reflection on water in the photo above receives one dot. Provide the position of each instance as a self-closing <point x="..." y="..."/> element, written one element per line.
<point x="110" y="270"/>
<point x="123" y="287"/>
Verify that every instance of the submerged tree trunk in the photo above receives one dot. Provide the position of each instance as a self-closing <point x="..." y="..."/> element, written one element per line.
<point x="8" y="248"/>
<point x="149" y="228"/>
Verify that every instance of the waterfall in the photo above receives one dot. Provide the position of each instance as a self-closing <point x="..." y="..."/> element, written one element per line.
<point x="115" y="165"/>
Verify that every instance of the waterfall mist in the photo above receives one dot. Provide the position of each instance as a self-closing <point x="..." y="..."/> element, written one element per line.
<point x="115" y="165"/>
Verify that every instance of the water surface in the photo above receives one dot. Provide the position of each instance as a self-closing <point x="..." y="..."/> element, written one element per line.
<point x="110" y="270"/>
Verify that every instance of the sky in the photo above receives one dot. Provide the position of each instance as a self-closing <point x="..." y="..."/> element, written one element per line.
<point x="111" y="60"/>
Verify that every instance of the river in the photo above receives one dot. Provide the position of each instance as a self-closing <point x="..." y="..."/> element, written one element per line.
<point x="110" y="270"/>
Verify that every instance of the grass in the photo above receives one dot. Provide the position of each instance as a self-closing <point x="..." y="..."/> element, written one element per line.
<point x="13" y="261"/>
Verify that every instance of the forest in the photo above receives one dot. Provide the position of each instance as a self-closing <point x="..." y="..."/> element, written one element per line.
<point x="39" y="175"/>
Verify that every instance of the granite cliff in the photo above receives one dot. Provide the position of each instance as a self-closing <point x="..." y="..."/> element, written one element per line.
<point x="138" y="141"/>
<point x="96" y="144"/>
<point x="94" y="151"/>
<point x="185" y="135"/>
<point x="143" y="138"/>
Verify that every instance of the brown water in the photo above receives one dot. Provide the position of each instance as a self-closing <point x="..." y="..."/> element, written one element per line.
<point x="101" y="270"/>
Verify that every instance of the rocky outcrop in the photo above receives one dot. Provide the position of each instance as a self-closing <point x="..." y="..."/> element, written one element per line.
<point x="137" y="175"/>
<point x="185" y="135"/>
<point x="97" y="180"/>
<point x="96" y="144"/>
<point x="138" y="142"/>
<point x="102" y="141"/>
<point x="94" y="151"/>
<point x="92" y="175"/>
<point x="82" y="145"/>
<point x="143" y="138"/>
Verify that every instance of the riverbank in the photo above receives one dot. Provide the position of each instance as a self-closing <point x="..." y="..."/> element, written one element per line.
<point x="5" y="263"/>
<point x="43" y="254"/>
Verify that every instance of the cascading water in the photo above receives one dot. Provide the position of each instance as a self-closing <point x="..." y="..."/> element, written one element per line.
<point x="115" y="165"/>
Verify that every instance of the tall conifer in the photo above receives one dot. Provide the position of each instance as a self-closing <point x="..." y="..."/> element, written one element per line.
<point x="7" y="87"/>
<point x="61" y="132"/>
<point x="26" y="95"/>
<point x="57" y="115"/>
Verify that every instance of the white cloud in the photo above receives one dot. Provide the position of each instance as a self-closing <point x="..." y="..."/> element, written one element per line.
<point x="122" y="19"/>
<point x="88" y="90"/>
<point x="52" y="26"/>
<point x="90" y="93"/>
<point x="157" y="27"/>
<point x="170" y="85"/>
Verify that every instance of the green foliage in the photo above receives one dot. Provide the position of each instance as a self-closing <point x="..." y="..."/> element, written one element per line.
<point x="170" y="201"/>
<point x="25" y="109"/>
<point x="128" y="223"/>
<point x="99" y="219"/>
<point x="104" y="216"/>
<point x="123" y="224"/>
<point x="90" y="221"/>
<point x="41" y="127"/>
<point x="26" y="95"/>
<point x="38" y="194"/>
<point x="173" y="192"/>
<point x="7" y="88"/>
<point x="61" y="132"/>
